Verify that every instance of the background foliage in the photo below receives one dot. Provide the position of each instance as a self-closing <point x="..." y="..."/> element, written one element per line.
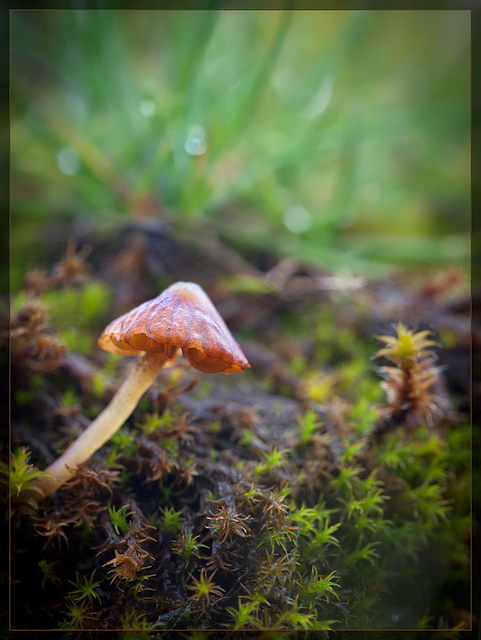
<point x="341" y="137"/>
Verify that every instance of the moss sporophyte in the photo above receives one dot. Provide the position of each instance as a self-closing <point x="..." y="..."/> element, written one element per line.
<point x="182" y="318"/>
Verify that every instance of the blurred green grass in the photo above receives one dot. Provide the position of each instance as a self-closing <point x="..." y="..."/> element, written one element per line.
<point x="339" y="137"/>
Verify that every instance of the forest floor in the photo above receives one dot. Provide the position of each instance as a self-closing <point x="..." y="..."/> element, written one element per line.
<point x="318" y="490"/>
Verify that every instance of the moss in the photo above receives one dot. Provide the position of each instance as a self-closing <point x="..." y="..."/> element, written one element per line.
<point x="75" y="339"/>
<point x="81" y="307"/>
<point x="19" y="478"/>
<point x="231" y="508"/>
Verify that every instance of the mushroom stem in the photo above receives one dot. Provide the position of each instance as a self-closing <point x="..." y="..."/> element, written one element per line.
<point x="140" y="378"/>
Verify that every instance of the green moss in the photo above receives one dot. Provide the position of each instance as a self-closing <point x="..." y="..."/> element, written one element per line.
<point x="118" y="518"/>
<point x="338" y="345"/>
<point x="69" y="399"/>
<point x="23" y="398"/>
<point x="314" y="521"/>
<point x="83" y="307"/>
<point x="19" y="477"/>
<point x="48" y="573"/>
<point x="363" y="412"/>
<point x="75" y="339"/>
<point x="275" y="458"/>
<point x="85" y="589"/>
<point x="123" y="442"/>
<point x="187" y="546"/>
<point x="171" y="520"/>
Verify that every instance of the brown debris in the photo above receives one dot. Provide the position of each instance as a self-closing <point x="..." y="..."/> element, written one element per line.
<point x="71" y="270"/>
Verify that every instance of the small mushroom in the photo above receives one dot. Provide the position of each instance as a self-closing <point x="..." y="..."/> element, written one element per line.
<point x="181" y="318"/>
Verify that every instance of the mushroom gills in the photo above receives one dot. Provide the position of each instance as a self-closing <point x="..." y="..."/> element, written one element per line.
<point x="201" y="361"/>
<point x="142" y="342"/>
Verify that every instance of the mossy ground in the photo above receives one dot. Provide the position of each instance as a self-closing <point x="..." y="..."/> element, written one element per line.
<point x="314" y="490"/>
<point x="267" y="500"/>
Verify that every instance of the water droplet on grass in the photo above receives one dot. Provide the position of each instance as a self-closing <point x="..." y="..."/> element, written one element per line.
<point x="297" y="219"/>
<point x="147" y="108"/>
<point x="68" y="161"/>
<point x="195" y="144"/>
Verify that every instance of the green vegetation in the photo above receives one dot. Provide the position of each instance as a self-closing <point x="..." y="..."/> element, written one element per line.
<point x="348" y="130"/>
<point x="171" y="519"/>
<point x="311" y="522"/>
<point x="85" y="589"/>
<point x="118" y="518"/>
<point x="311" y="171"/>
<point x="18" y="478"/>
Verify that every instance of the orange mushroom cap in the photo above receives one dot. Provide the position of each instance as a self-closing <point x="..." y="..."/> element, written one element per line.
<point x="181" y="317"/>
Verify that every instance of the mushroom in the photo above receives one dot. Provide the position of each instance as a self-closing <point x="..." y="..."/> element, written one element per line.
<point x="181" y="318"/>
